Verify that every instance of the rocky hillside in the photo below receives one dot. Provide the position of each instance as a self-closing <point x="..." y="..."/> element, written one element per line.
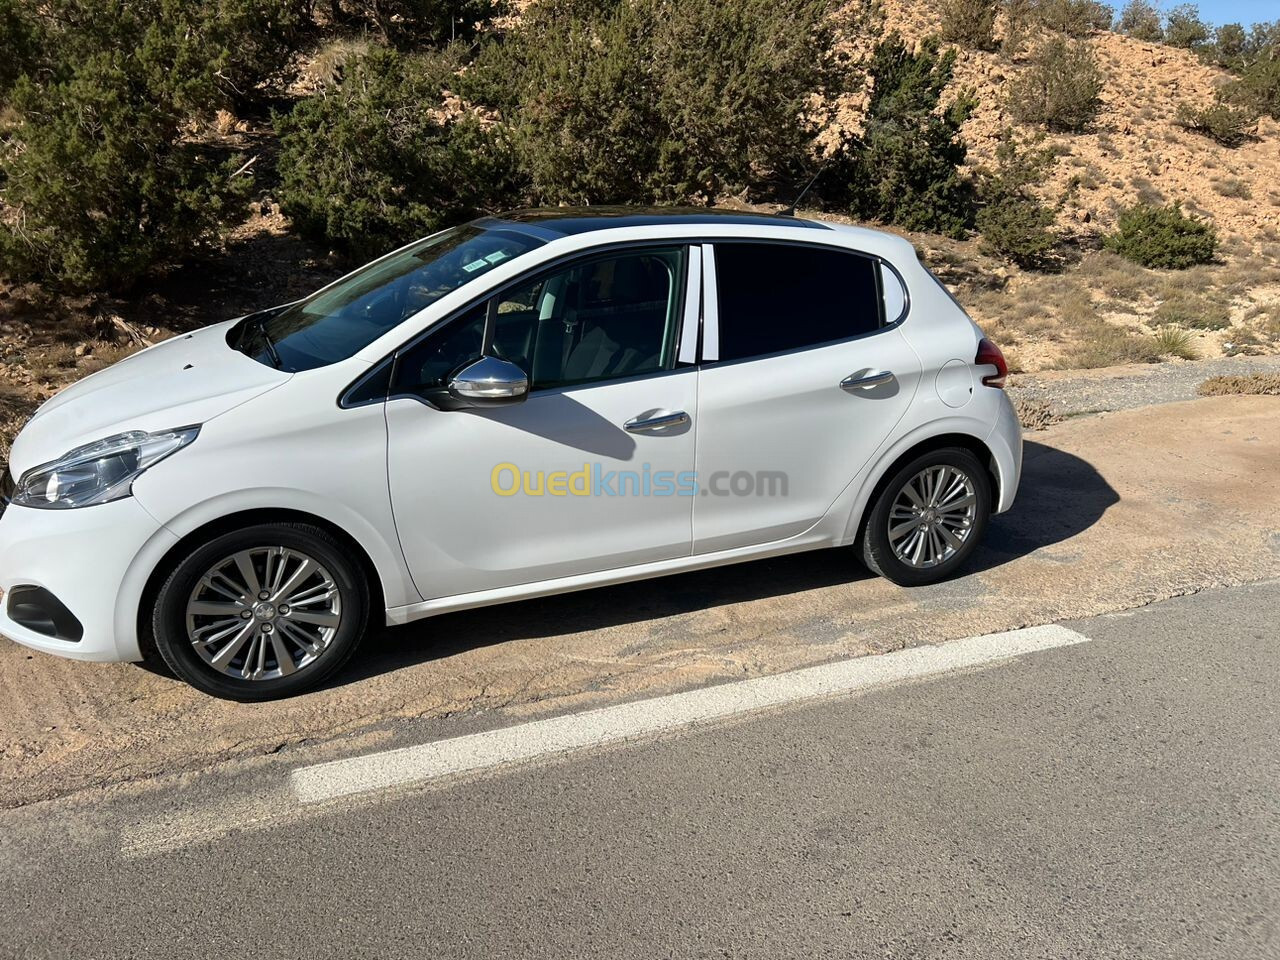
<point x="1135" y="149"/>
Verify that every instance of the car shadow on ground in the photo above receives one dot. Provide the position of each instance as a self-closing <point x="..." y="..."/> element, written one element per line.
<point x="1060" y="496"/>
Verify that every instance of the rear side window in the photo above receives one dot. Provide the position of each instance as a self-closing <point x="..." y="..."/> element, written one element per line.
<point x="778" y="297"/>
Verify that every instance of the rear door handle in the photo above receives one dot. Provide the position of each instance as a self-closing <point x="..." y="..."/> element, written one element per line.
<point x="875" y="378"/>
<point x="647" y="424"/>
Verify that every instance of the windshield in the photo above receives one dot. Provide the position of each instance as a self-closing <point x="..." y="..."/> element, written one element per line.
<point x="343" y="319"/>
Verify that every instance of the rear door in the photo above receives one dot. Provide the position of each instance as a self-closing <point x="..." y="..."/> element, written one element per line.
<point x="804" y="374"/>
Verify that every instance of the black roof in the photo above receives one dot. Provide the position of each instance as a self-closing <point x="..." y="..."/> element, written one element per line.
<point x="567" y="221"/>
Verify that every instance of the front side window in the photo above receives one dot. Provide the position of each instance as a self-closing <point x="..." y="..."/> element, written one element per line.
<point x="600" y="319"/>
<point x="338" y="322"/>
<point x="778" y="297"/>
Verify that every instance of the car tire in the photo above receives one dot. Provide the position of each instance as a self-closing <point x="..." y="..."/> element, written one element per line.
<point x="236" y="589"/>
<point x="903" y="528"/>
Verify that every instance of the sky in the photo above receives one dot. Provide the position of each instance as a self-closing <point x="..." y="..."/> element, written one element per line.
<point x="1219" y="12"/>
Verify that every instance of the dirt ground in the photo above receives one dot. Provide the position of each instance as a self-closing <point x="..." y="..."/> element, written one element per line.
<point x="1115" y="511"/>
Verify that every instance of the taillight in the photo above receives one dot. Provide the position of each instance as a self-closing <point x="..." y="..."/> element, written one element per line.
<point x="989" y="355"/>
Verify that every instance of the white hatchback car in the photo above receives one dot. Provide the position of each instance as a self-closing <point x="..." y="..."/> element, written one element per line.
<point x="528" y="404"/>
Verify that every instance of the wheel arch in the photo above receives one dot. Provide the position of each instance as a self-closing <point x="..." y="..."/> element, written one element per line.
<point x="237" y="521"/>
<point x="894" y="459"/>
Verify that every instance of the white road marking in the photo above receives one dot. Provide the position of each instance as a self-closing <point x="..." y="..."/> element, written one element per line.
<point x="646" y="718"/>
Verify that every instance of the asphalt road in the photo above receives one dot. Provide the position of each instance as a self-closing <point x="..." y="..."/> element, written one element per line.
<point x="1115" y="798"/>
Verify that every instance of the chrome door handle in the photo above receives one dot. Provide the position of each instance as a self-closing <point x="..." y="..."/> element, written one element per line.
<point x="875" y="378"/>
<point x="638" y="425"/>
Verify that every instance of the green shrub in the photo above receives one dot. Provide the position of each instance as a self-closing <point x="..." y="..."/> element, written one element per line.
<point x="99" y="186"/>
<point x="375" y="161"/>
<point x="1163" y="237"/>
<point x="1019" y="24"/>
<point x="1060" y="87"/>
<point x="1014" y="223"/>
<point x="1174" y="342"/>
<point x="409" y="22"/>
<point x="903" y="169"/>
<point x="1219" y="121"/>
<point x="1184" y="28"/>
<point x="184" y="56"/>
<point x="1141" y="20"/>
<point x="18" y="40"/>
<point x="645" y="100"/>
<point x="1257" y="89"/>
<point x="970" y="23"/>
<point x="1075" y="18"/>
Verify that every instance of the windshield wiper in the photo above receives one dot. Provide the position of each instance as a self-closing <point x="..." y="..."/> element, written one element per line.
<point x="260" y="323"/>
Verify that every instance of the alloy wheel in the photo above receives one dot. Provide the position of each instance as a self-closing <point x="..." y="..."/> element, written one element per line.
<point x="263" y="613"/>
<point x="932" y="516"/>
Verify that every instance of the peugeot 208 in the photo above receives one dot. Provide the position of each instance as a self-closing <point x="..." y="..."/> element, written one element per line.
<point x="528" y="404"/>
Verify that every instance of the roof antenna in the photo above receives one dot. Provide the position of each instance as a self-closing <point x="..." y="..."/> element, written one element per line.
<point x="791" y="210"/>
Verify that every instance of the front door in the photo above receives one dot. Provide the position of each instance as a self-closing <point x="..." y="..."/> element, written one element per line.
<point x="588" y="473"/>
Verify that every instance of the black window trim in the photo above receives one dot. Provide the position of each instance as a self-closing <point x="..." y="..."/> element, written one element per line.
<point x="605" y="249"/>
<point x="573" y="257"/>
<point x="882" y="328"/>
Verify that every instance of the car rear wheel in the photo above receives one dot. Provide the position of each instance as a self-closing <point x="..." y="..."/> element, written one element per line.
<point x="927" y="518"/>
<point x="261" y="613"/>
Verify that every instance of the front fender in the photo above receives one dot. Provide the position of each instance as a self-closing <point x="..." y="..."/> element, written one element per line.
<point x="382" y="547"/>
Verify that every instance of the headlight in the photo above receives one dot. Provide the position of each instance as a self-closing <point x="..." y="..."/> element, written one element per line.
<point x="98" y="472"/>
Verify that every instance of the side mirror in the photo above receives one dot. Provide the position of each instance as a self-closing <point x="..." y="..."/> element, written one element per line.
<point x="489" y="382"/>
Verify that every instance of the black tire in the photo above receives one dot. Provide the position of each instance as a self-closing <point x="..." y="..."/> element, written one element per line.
<point x="878" y="553"/>
<point x="170" y="622"/>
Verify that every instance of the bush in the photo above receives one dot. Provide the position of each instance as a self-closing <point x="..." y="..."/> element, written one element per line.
<point x="377" y="161"/>
<point x="409" y="22"/>
<point x="185" y="56"/>
<point x="644" y="100"/>
<point x="903" y="169"/>
<point x="1014" y="223"/>
<point x="1075" y="18"/>
<point x="1173" y="342"/>
<point x="1060" y="87"/>
<point x="971" y="23"/>
<point x="18" y="40"/>
<point x="1257" y="89"/>
<point x="1219" y="121"/>
<point x="1140" y="20"/>
<point x="98" y="184"/>
<point x="1163" y="237"/>
<point x="1184" y="28"/>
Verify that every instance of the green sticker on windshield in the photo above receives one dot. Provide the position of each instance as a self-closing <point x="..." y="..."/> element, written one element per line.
<point x="475" y="265"/>
<point x="497" y="257"/>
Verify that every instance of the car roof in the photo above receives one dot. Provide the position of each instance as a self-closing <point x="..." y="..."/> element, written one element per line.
<point x="571" y="221"/>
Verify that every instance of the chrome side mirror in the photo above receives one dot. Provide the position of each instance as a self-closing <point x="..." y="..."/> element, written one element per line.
<point x="488" y="382"/>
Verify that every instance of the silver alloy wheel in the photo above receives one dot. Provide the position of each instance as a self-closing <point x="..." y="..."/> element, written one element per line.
<point x="263" y="613"/>
<point x="932" y="516"/>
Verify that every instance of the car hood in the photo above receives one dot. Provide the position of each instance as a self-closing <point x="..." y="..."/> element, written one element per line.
<point x="184" y="381"/>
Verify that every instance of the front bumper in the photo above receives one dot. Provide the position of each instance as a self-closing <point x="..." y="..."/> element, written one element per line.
<point x="94" y="560"/>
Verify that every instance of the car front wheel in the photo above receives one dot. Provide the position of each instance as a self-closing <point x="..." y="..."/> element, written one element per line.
<point x="927" y="518"/>
<point x="261" y="613"/>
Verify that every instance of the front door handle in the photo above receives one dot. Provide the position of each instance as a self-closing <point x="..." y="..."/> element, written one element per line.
<point x="875" y="378"/>
<point x="663" y="420"/>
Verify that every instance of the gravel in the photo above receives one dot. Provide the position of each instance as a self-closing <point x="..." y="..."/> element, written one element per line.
<point x="1071" y="393"/>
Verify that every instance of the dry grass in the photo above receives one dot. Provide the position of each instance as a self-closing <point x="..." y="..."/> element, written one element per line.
<point x="1033" y="414"/>
<point x="1264" y="384"/>
<point x="1196" y="313"/>
<point x="1108" y="346"/>
<point x="1174" y="342"/>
